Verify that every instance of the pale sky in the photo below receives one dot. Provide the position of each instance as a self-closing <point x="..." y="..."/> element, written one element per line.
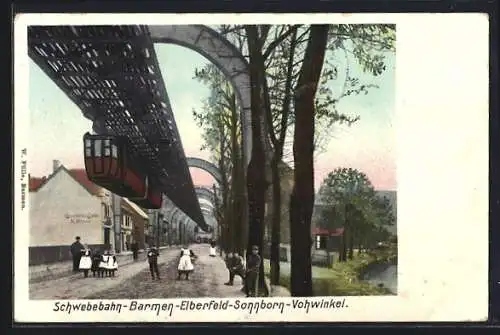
<point x="57" y="125"/>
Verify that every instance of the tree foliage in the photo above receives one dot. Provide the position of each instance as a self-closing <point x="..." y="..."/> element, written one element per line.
<point x="351" y="202"/>
<point x="221" y="132"/>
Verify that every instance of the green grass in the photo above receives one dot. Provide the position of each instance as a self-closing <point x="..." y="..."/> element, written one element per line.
<point x="342" y="278"/>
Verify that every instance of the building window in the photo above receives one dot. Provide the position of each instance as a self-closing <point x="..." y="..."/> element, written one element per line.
<point x="106" y="236"/>
<point x="105" y="211"/>
<point x="321" y="242"/>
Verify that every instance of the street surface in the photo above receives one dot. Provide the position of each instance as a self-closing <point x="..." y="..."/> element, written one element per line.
<point x="133" y="281"/>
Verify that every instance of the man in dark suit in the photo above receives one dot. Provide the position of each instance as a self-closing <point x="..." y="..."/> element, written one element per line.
<point x="153" y="254"/>
<point x="76" y="254"/>
<point x="135" y="250"/>
<point x="252" y="273"/>
<point x="234" y="264"/>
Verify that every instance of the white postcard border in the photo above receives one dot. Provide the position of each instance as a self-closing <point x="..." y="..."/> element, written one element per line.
<point x="442" y="134"/>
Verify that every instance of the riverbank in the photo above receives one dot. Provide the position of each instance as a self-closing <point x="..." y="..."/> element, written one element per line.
<point x="343" y="278"/>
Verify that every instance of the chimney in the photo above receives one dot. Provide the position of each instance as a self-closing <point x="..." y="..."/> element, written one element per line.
<point x="55" y="165"/>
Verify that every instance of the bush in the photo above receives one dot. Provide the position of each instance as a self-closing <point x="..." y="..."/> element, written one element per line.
<point x="335" y="287"/>
<point x="343" y="279"/>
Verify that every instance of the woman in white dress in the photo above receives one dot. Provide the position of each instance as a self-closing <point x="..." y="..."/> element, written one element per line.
<point x="112" y="265"/>
<point x="185" y="265"/>
<point x="212" y="252"/>
<point x="85" y="261"/>
<point x="103" y="266"/>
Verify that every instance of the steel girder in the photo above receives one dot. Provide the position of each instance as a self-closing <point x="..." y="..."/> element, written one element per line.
<point x="205" y="192"/>
<point x="111" y="73"/>
<point x="205" y="166"/>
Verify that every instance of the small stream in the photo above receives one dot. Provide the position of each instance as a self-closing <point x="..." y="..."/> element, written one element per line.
<point x="386" y="274"/>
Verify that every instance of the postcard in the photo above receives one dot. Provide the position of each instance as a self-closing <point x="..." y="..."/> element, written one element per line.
<point x="251" y="168"/>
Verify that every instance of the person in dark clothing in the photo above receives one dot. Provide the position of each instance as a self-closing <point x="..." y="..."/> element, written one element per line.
<point x="252" y="273"/>
<point x="76" y="253"/>
<point x="193" y="256"/>
<point x="135" y="250"/>
<point x="96" y="261"/>
<point x="235" y="266"/>
<point x="153" y="254"/>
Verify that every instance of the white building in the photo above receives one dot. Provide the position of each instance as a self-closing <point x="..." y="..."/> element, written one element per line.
<point x="67" y="204"/>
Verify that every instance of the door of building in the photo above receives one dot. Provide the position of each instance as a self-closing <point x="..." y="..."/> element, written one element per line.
<point x="107" y="236"/>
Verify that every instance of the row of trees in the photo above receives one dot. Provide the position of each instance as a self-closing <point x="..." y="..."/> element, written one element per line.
<point x="298" y="76"/>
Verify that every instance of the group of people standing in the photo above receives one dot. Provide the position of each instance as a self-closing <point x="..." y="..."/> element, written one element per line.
<point x="250" y="275"/>
<point x="102" y="264"/>
<point x="184" y="267"/>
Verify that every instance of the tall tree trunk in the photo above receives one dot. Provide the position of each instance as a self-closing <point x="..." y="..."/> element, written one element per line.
<point x="302" y="198"/>
<point x="276" y="220"/>
<point x="278" y="143"/>
<point x="343" y="250"/>
<point x="350" y="236"/>
<point x="351" y="244"/>
<point x="256" y="175"/>
<point x="226" y="215"/>
<point x="239" y="243"/>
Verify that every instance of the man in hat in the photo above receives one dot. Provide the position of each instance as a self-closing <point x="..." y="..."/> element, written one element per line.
<point x="135" y="250"/>
<point x="252" y="273"/>
<point x="153" y="254"/>
<point x="76" y="253"/>
<point x="234" y="264"/>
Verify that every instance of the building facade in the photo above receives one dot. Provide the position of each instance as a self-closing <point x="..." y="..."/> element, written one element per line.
<point x="67" y="204"/>
<point x="133" y="222"/>
<point x="62" y="206"/>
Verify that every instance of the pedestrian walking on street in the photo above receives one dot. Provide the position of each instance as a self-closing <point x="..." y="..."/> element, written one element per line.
<point x="135" y="250"/>
<point x="185" y="266"/>
<point x="153" y="254"/>
<point x="235" y="266"/>
<point x="192" y="255"/>
<point x="252" y="273"/>
<point x="76" y="253"/>
<point x="212" y="252"/>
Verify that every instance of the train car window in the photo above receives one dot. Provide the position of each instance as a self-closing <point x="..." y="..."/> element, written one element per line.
<point x="88" y="144"/>
<point x="97" y="148"/>
<point x="107" y="148"/>
<point x="114" y="151"/>
<point x="88" y="152"/>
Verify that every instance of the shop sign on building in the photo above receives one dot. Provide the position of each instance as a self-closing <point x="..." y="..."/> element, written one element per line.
<point x="80" y="217"/>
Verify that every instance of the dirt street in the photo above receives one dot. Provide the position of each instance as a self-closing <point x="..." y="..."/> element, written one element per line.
<point x="134" y="281"/>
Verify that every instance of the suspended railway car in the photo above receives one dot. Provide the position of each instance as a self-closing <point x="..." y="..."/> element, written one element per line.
<point x="108" y="164"/>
